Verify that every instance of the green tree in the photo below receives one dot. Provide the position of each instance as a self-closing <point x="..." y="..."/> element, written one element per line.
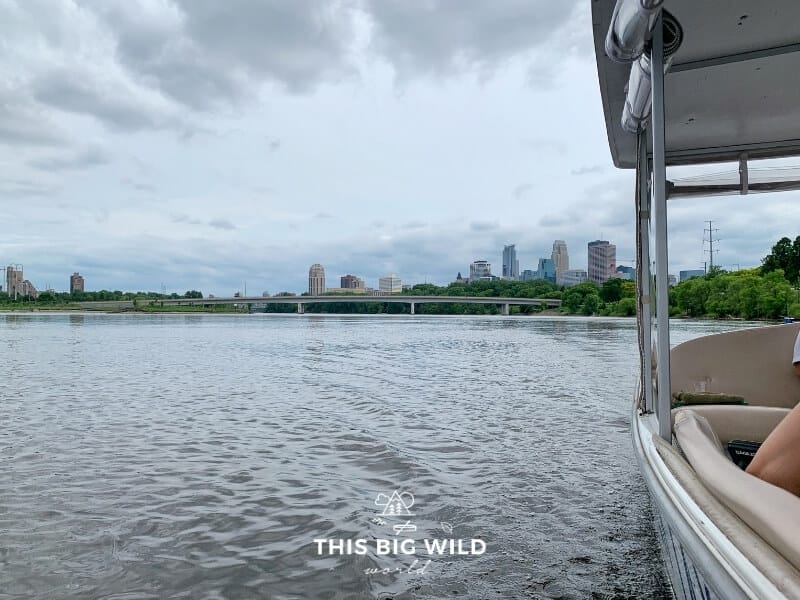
<point x="785" y="255"/>
<point x="611" y="290"/>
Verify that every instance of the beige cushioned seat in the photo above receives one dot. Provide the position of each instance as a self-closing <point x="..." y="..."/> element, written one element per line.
<point x="772" y="512"/>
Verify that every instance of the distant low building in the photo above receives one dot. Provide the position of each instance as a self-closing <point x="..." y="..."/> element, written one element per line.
<point x="351" y="282"/>
<point x="689" y="274"/>
<point x="390" y="284"/>
<point x="574" y="277"/>
<point x="624" y="272"/>
<point x="671" y="280"/>
<point x="528" y="274"/>
<point x="345" y="290"/>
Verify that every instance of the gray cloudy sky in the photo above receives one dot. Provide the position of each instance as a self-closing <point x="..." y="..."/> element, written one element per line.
<point x="200" y="144"/>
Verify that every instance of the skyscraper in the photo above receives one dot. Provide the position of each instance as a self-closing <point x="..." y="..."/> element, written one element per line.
<point x="76" y="283"/>
<point x="560" y="259"/>
<point x="602" y="261"/>
<point x="510" y="262"/>
<point x="316" y="280"/>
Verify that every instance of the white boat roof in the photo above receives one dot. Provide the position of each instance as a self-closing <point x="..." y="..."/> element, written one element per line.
<point x="733" y="87"/>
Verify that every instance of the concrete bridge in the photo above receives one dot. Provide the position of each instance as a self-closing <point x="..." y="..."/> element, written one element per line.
<point x="301" y="301"/>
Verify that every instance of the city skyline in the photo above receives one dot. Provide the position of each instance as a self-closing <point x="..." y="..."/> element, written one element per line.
<point x="380" y="148"/>
<point x="557" y="265"/>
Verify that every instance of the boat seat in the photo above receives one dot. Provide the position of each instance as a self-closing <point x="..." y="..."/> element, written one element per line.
<point x="735" y="422"/>
<point x="770" y="511"/>
<point x="752" y="363"/>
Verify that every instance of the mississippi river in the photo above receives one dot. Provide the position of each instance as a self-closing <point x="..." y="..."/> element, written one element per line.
<point x="322" y="457"/>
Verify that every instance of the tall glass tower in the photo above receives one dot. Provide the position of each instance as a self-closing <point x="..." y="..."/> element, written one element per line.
<point x="510" y="262"/>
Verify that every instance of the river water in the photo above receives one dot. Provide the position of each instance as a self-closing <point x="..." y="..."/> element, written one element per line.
<point x="201" y="456"/>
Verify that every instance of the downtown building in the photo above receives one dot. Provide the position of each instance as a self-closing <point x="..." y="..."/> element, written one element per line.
<point x="390" y="284"/>
<point x="510" y="262"/>
<point x="316" y="280"/>
<point x="76" y="283"/>
<point x="16" y="284"/>
<point x="560" y="258"/>
<point x="602" y="264"/>
<point x="351" y="282"/>
<point x="573" y="277"/>
<point x="480" y="269"/>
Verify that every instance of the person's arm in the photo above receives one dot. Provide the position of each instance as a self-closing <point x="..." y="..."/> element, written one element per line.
<point x="777" y="461"/>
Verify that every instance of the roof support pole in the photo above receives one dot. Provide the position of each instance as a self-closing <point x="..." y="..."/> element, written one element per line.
<point x="644" y="282"/>
<point x="660" y="210"/>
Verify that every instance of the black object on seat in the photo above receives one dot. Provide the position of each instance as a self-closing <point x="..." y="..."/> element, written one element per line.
<point x="742" y="452"/>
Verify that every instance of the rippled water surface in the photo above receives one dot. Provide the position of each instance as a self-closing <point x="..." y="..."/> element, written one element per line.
<point x="171" y="456"/>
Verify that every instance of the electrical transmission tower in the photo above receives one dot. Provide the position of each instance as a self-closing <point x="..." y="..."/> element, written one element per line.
<point x="711" y="240"/>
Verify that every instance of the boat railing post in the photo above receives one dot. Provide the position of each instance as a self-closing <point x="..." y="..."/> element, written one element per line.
<point x="644" y="273"/>
<point x="660" y="210"/>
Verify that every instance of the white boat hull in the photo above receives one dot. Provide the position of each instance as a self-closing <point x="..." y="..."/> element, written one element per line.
<point x="701" y="561"/>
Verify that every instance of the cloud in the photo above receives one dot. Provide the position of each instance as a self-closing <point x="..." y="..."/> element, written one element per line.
<point x="273" y="144"/>
<point x="185" y="219"/>
<point x="522" y="190"/>
<point x="222" y="224"/>
<point x="585" y="170"/>
<point x="441" y="37"/>
<point x="91" y="156"/>
<point x="25" y="188"/>
<point x="202" y="52"/>
<point x="139" y="186"/>
<point x="484" y="225"/>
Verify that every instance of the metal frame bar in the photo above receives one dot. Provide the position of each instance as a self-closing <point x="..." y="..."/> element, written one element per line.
<point x="734" y="58"/>
<point x="660" y="207"/>
<point x="644" y="271"/>
<point x="757" y="150"/>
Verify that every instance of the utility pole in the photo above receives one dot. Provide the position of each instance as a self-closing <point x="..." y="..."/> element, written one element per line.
<point x="710" y="241"/>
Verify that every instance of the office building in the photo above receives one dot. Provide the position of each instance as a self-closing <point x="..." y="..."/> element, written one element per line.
<point x="684" y="275"/>
<point x="351" y="282"/>
<point x="76" y="283"/>
<point x="390" y="284"/>
<point x="14" y="281"/>
<point x="602" y="261"/>
<point x="16" y="284"/>
<point x="560" y="258"/>
<point x="316" y="280"/>
<point x="528" y="275"/>
<point x="480" y="269"/>
<point x="628" y="273"/>
<point x="510" y="262"/>
<point x="546" y="270"/>
<point x="573" y="277"/>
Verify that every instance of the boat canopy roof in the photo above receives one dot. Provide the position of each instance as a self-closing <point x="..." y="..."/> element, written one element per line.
<point x="732" y="88"/>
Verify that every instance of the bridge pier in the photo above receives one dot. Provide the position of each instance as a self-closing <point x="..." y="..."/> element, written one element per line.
<point x="412" y="308"/>
<point x="506" y="309"/>
<point x="301" y="308"/>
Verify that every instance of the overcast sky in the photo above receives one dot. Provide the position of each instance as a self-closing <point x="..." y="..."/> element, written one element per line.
<point x="199" y="144"/>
